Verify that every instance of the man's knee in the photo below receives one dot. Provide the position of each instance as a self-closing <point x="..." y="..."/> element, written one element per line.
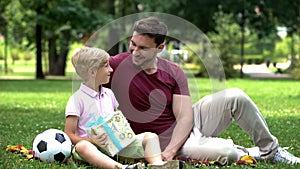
<point x="236" y="94"/>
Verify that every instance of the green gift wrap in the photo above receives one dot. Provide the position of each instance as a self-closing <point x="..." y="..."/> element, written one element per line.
<point x="117" y="128"/>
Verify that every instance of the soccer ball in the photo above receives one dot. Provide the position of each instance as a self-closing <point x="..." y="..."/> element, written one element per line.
<point x="52" y="145"/>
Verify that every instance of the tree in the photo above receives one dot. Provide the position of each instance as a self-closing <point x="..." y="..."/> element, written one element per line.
<point x="59" y="23"/>
<point x="121" y="8"/>
<point x="3" y="30"/>
<point x="282" y="48"/>
<point x="31" y="21"/>
<point x="287" y="14"/>
<point x="250" y="15"/>
<point x="199" y="13"/>
<point x="227" y="43"/>
<point x="64" y="21"/>
<point x="38" y="43"/>
<point x="12" y="24"/>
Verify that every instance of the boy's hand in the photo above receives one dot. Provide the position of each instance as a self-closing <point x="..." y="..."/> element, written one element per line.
<point x="100" y="140"/>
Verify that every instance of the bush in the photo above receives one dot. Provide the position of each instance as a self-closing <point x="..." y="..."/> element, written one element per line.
<point x="296" y="71"/>
<point x="28" y="56"/>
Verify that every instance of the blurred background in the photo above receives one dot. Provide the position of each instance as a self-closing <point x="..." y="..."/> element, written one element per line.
<point x="37" y="37"/>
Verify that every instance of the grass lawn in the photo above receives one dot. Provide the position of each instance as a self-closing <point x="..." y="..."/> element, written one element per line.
<point x="28" y="107"/>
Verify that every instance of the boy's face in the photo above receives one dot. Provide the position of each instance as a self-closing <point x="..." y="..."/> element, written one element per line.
<point x="143" y="49"/>
<point x="103" y="74"/>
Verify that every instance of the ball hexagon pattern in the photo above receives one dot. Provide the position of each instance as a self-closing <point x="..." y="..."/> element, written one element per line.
<point x="52" y="145"/>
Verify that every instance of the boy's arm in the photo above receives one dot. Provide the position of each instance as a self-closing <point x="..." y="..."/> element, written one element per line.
<point x="70" y="129"/>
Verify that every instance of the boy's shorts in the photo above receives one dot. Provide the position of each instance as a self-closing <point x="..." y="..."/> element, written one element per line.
<point x="133" y="150"/>
<point x="75" y="155"/>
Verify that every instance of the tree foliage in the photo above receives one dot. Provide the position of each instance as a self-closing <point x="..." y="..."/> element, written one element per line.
<point x="62" y="22"/>
<point x="52" y="26"/>
<point x="287" y="14"/>
<point x="227" y="43"/>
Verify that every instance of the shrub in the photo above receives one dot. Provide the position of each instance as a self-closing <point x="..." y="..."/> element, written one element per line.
<point x="28" y="56"/>
<point x="296" y="71"/>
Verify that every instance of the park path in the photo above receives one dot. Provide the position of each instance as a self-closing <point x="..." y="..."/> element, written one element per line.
<point x="253" y="71"/>
<point x="262" y="72"/>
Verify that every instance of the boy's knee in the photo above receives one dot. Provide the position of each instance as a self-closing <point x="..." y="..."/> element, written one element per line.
<point x="149" y="136"/>
<point x="80" y="149"/>
<point x="82" y="146"/>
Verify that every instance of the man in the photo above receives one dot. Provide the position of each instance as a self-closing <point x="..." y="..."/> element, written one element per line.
<point x="154" y="96"/>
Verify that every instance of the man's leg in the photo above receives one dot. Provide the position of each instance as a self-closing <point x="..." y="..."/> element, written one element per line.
<point x="208" y="149"/>
<point x="214" y="113"/>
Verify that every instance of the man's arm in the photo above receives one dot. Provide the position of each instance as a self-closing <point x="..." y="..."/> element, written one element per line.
<point x="182" y="108"/>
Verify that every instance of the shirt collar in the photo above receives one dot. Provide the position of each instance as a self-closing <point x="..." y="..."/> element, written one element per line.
<point x="90" y="91"/>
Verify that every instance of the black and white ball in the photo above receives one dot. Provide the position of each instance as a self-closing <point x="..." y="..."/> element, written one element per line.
<point x="52" y="145"/>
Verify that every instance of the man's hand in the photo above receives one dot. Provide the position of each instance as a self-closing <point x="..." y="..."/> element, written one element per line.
<point x="168" y="155"/>
<point x="100" y="140"/>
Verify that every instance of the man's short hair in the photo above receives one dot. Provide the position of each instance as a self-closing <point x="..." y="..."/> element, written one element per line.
<point x="152" y="27"/>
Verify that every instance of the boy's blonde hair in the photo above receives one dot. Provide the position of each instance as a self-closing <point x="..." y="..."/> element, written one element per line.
<point x="88" y="57"/>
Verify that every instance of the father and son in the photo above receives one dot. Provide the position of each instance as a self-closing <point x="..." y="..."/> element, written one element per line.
<point x="153" y="95"/>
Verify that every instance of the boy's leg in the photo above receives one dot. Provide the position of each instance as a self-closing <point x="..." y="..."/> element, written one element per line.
<point x="152" y="148"/>
<point x="134" y="150"/>
<point x="145" y="146"/>
<point x="88" y="152"/>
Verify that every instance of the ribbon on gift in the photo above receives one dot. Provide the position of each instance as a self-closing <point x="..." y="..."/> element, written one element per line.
<point x="108" y="130"/>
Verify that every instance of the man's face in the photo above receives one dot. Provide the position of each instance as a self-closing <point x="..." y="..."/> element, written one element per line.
<point x="143" y="49"/>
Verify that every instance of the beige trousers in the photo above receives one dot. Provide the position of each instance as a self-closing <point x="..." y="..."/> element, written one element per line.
<point x="213" y="114"/>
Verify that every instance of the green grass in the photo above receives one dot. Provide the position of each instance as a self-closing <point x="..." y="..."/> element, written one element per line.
<point x="26" y="69"/>
<point x="28" y="107"/>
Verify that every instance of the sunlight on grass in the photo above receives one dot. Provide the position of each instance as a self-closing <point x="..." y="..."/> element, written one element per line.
<point x="31" y="106"/>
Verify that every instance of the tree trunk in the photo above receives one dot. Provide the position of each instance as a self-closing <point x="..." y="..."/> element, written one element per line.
<point x="5" y="47"/>
<point x="52" y="55"/>
<point x="293" y="55"/>
<point x="38" y="38"/>
<point x="242" y="51"/>
<point x="57" y="62"/>
<point x="113" y="42"/>
<point x="202" y="72"/>
<point x="64" y="50"/>
<point x="242" y="25"/>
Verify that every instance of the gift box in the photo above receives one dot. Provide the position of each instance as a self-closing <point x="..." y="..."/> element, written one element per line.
<point x="117" y="128"/>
